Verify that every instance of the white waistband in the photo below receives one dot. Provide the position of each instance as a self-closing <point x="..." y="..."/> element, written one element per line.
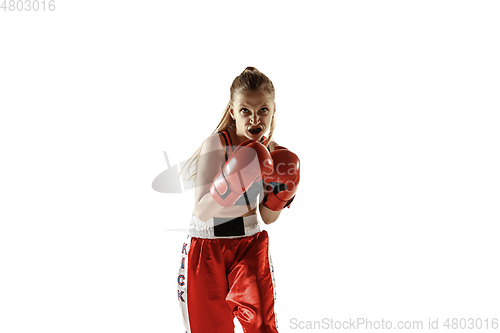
<point x="200" y="229"/>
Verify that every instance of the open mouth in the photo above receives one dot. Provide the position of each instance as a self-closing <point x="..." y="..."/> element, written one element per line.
<point x="255" y="130"/>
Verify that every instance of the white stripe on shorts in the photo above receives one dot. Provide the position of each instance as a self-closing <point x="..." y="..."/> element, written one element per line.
<point x="182" y="280"/>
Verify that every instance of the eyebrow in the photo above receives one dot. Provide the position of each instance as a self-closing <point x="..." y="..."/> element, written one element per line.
<point x="243" y="104"/>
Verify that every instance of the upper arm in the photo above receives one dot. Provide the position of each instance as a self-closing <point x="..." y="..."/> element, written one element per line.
<point x="210" y="162"/>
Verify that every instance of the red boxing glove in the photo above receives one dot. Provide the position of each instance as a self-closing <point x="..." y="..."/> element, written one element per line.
<point x="283" y="180"/>
<point x="246" y="165"/>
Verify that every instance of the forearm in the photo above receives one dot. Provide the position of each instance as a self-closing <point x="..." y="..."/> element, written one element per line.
<point x="207" y="207"/>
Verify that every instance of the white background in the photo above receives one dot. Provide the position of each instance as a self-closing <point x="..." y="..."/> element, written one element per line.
<point x="392" y="107"/>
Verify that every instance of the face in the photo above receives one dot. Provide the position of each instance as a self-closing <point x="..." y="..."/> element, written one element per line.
<point x="252" y="111"/>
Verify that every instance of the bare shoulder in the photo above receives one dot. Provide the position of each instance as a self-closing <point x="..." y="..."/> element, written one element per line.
<point x="214" y="142"/>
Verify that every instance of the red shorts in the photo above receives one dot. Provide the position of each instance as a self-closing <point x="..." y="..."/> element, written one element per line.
<point x="226" y="276"/>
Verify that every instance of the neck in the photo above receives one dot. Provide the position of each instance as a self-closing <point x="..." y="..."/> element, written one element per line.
<point x="237" y="139"/>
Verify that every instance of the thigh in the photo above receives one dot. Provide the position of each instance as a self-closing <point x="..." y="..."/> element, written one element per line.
<point x="202" y="288"/>
<point x="252" y="289"/>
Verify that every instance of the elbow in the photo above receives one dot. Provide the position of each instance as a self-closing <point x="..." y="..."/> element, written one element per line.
<point x="207" y="208"/>
<point x="268" y="216"/>
<point x="268" y="220"/>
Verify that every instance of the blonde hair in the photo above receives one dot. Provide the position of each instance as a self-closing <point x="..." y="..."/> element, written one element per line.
<point x="251" y="79"/>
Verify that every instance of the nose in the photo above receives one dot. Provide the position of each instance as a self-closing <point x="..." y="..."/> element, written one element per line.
<point x="255" y="119"/>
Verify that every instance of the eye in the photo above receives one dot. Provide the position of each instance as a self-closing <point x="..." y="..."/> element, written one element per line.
<point x="263" y="110"/>
<point x="244" y="110"/>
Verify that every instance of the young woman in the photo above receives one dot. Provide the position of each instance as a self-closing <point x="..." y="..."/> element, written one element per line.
<point x="226" y="269"/>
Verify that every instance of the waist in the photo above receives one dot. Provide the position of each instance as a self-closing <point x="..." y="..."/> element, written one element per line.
<point x="227" y="227"/>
